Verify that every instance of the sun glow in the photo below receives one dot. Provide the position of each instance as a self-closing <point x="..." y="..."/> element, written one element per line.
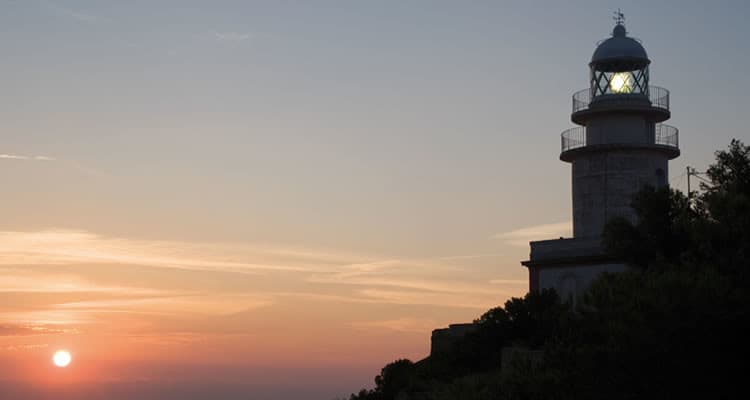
<point x="62" y="358"/>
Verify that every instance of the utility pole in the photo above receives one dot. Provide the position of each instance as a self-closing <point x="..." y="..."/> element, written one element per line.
<point x="692" y="172"/>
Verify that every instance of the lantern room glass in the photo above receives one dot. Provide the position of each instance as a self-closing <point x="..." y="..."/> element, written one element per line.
<point x="618" y="81"/>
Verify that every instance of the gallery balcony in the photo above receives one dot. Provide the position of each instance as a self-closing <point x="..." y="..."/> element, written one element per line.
<point x="655" y="104"/>
<point x="577" y="140"/>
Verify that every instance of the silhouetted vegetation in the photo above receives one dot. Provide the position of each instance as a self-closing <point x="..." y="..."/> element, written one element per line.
<point x="672" y="327"/>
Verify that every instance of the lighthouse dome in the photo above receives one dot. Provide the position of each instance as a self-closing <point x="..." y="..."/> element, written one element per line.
<point x="619" y="48"/>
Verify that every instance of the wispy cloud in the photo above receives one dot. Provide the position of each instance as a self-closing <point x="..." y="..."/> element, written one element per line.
<point x="415" y="281"/>
<point x="22" y="157"/>
<point x="71" y="165"/>
<point x="196" y="304"/>
<point x="168" y="338"/>
<point x="12" y="281"/>
<point x="77" y="15"/>
<point x="86" y="17"/>
<point x="22" y="347"/>
<point x="522" y="236"/>
<point x="52" y="247"/>
<point x="470" y="256"/>
<point x="408" y="282"/>
<point x="67" y="247"/>
<point x="78" y="278"/>
<point x="32" y="330"/>
<point x="12" y="157"/>
<point x="406" y="324"/>
<point x="415" y="297"/>
<point x="232" y="36"/>
<point x="509" y="282"/>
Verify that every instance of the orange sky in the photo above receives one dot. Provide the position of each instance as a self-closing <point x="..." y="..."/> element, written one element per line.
<point x="126" y="307"/>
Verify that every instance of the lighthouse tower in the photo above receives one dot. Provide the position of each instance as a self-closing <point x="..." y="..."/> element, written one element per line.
<point x="619" y="146"/>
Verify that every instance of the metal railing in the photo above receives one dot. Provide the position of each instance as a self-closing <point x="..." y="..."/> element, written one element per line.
<point x="573" y="138"/>
<point x="664" y="135"/>
<point x="658" y="96"/>
<point x="581" y="100"/>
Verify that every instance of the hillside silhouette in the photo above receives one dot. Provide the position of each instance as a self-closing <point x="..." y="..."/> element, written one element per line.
<point x="673" y="326"/>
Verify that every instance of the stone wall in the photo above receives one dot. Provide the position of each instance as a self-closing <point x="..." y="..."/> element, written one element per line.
<point x="443" y="339"/>
<point x="604" y="184"/>
<point x="571" y="281"/>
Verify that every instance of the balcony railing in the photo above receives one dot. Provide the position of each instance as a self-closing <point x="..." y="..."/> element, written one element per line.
<point x="667" y="135"/>
<point x="573" y="138"/>
<point x="581" y="100"/>
<point x="664" y="135"/>
<point x="658" y="96"/>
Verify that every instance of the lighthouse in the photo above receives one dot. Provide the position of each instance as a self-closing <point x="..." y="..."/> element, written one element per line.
<point x="620" y="145"/>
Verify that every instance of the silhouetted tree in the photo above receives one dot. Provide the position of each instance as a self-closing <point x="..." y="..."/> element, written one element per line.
<point x="662" y="234"/>
<point x="394" y="378"/>
<point x="712" y="231"/>
<point x="726" y="202"/>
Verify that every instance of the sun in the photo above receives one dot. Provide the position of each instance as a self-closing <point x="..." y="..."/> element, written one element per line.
<point x="62" y="358"/>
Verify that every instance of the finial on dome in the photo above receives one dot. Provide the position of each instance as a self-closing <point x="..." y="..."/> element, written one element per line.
<point x="619" y="30"/>
<point x="619" y="17"/>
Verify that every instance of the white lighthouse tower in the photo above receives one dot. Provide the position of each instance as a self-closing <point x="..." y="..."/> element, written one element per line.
<point x="619" y="146"/>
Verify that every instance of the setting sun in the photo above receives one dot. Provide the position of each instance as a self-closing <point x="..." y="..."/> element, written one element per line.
<point x="62" y="358"/>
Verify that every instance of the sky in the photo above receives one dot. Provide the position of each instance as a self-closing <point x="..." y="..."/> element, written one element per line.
<point x="272" y="200"/>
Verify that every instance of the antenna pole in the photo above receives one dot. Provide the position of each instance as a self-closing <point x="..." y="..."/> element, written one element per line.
<point x="689" y="172"/>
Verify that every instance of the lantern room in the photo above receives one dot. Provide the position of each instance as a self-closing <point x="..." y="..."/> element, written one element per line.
<point x="619" y="66"/>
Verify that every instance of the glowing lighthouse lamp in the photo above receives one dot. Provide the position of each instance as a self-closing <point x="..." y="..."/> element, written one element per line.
<point x="620" y="83"/>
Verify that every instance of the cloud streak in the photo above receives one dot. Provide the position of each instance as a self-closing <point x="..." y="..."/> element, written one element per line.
<point x="196" y="304"/>
<point x="232" y="36"/>
<point x="83" y="279"/>
<point x="21" y="157"/>
<point x="413" y="325"/>
<point x="32" y="330"/>
<point x="416" y="297"/>
<point x="521" y="237"/>
<point x="59" y="247"/>
<point x="76" y="15"/>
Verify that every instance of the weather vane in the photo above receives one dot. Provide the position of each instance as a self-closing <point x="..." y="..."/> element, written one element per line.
<point x="619" y="17"/>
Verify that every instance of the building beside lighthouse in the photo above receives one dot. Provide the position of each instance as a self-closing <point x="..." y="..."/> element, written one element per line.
<point x="619" y="145"/>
